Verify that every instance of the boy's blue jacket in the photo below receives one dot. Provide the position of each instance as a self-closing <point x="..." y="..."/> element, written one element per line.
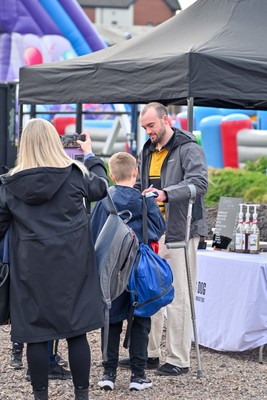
<point x="127" y="198"/>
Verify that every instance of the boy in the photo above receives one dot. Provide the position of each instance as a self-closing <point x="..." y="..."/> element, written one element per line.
<point x="123" y="172"/>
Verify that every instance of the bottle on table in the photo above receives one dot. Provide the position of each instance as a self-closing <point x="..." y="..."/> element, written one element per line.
<point x="239" y="231"/>
<point x="247" y="232"/>
<point x="254" y="238"/>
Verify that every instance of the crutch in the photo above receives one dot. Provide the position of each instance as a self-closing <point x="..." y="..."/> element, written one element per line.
<point x="184" y="245"/>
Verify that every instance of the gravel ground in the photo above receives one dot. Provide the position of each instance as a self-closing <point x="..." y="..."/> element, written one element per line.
<point x="233" y="376"/>
<point x="237" y="376"/>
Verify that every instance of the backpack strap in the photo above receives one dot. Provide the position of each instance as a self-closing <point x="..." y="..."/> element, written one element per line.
<point x="126" y="342"/>
<point x="105" y="335"/>
<point x="144" y="218"/>
<point x="113" y="210"/>
<point x="111" y="204"/>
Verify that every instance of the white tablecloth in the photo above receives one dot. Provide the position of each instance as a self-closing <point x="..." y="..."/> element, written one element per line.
<point x="231" y="300"/>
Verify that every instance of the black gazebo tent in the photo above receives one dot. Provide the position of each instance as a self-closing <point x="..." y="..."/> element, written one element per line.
<point x="214" y="52"/>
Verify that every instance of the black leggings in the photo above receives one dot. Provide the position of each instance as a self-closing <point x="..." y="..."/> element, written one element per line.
<point x="79" y="360"/>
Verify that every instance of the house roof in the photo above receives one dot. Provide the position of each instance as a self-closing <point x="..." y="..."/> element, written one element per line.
<point x="172" y="4"/>
<point x="107" y="3"/>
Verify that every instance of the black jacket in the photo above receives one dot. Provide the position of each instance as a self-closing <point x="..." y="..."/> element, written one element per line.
<point x="55" y="289"/>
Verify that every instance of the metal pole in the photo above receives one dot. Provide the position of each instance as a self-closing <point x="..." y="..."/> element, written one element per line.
<point x="33" y="111"/>
<point x="79" y="108"/>
<point x="20" y="120"/>
<point x="190" y="114"/>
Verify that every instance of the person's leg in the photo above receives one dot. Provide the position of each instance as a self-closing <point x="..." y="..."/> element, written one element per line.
<point x="52" y="351"/>
<point x="56" y="371"/>
<point x="155" y="336"/>
<point x="179" y="319"/>
<point x="38" y="366"/>
<point x="138" y="353"/>
<point x="157" y="320"/>
<point x="59" y="360"/>
<point x="113" y="347"/>
<point x="110" y="366"/>
<point x="16" y="355"/>
<point x="54" y="355"/>
<point x="80" y="361"/>
<point x="138" y="345"/>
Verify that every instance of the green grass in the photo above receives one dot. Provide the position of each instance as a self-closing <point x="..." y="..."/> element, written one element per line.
<point x="250" y="185"/>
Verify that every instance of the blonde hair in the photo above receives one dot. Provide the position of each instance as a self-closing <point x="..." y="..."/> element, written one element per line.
<point x="122" y="165"/>
<point x="40" y="146"/>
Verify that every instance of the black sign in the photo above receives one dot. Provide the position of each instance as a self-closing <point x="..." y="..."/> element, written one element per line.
<point x="226" y="221"/>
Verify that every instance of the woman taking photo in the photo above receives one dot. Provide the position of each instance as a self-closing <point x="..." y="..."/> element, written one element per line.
<point x="55" y="290"/>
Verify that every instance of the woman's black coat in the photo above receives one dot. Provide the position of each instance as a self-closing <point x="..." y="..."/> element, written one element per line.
<point x="55" y="290"/>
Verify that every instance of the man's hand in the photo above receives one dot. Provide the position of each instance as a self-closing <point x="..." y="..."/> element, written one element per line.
<point x="161" y="194"/>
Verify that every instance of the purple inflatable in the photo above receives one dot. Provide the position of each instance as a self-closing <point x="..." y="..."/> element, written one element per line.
<point x="39" y="31"/>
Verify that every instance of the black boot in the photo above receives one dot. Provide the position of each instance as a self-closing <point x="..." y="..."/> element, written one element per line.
<point x="40" y="394"/>
<point x="16" y="359"/>
<point x="81" y="394"/>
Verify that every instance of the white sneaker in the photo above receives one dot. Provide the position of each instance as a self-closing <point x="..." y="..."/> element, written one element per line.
<point x="138" y="383"/>
<point x="107" y="382"/>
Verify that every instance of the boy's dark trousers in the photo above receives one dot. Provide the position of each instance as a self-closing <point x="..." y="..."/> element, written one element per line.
<point x="138" y="346"/>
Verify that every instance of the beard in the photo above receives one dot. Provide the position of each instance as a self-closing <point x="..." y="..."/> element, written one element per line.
<point x="160" y="134"/>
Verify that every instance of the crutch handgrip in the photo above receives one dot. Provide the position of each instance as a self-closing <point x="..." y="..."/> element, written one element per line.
<point x="176" y="245"/>
<point x="193" y="192"/>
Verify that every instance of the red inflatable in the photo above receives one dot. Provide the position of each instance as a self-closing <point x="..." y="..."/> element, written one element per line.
<point x="60" y="122"/>
<point x="230" y="126"/>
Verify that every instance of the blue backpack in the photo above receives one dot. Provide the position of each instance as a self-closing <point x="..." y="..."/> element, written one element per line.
<point x="150" y="283"/>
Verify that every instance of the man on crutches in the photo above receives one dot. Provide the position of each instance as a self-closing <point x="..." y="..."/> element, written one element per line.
<point x="172" y="164"/>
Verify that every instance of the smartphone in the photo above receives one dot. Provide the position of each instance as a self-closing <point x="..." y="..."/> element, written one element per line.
<point x="77" y="136"/>
<point x="71" y="140"/>
<point x="151" y="194"/>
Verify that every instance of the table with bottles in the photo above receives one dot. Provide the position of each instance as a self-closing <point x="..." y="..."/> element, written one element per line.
<point x="231" y="300"/>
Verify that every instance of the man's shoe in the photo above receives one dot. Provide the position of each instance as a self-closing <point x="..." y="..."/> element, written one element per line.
<point x="152" y="363"/>
<point x="16" y="359"/>
<point x="171" y="370"/>
<point x="139" y="383"/>
<point x="107" y="382"/>
<point x="57" y="372"/>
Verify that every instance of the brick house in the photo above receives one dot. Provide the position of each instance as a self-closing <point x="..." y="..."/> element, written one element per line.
<point x="129" y="12"/>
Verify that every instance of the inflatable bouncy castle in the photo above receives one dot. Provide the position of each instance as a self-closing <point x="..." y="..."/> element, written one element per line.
<point x="39" y="31"/>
